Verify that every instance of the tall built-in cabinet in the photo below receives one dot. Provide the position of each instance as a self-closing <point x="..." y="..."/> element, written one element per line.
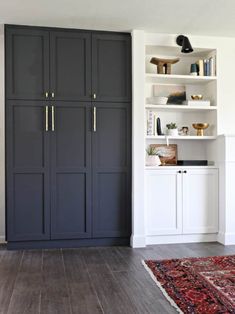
<point x="181" y="203"/>
<point x="68" y="139"/>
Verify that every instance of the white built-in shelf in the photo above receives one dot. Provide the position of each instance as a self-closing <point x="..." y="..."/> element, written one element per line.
<point x="180" y="108"/>
<point x="178" y="79"/>
<point x="180" y="137"/>
<point x="180" y="167"/>
<point x="151" y="49"/>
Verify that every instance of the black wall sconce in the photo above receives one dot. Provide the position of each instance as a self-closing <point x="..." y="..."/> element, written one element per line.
<point x="184" y="42"/>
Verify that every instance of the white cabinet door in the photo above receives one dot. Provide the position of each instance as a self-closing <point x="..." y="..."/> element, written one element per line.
<point x="163" y="202"/>
<point x="200" y="201"/>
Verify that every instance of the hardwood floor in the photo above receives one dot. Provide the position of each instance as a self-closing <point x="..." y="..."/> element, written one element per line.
<point x="89" y="280"/>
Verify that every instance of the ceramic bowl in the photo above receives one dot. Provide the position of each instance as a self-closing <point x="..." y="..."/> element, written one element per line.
<point x="158" y="100"/>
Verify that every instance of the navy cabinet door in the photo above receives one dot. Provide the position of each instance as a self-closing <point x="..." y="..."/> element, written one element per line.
<point x="111" y="158"/>
<point x="71" y="171"/>
<point x="70" y="65"/>
<point x="111" y="67"/>
<point x="28" y="199"/>
<point x="27" y="63"/>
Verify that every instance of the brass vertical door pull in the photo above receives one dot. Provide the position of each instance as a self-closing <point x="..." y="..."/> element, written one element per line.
<point x="52" y="118"/>
<point x="94" y="96"/>
<point x="46" y="94"/>
<point x="94" y="119"/>
<point x="52" y="95"/>
<point x="46" y="118"/>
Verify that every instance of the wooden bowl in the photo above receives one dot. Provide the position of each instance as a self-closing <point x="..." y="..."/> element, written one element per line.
<point x="197" y="97"/>
<point x="200" y="127"/>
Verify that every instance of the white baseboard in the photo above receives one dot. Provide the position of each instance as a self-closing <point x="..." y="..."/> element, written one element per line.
<point x="181" y="238"/>
<point x="138" y="241"/>
<point x="226" y="238"/>
<point x="2" y="239"/>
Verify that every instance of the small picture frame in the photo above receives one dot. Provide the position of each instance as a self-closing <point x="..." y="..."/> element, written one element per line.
<point x="166" y="153"/>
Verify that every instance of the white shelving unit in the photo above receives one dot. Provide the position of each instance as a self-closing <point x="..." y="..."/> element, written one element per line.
<point x="190" y="146"/>
<point x="178" y="108"/>
<point x="178" y="79"/>
<point x="180" y="137"/>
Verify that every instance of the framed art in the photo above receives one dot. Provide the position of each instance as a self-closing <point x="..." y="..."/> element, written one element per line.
<point x="166" y="153"/>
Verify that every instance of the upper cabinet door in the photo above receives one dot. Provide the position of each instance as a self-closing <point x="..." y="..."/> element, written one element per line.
<point x="70" y="65"/>
<point x="27" y="63"/>
<point x="111" y="67"/>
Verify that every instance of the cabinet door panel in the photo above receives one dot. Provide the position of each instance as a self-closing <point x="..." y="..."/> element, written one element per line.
<point x="111" y="171"/>
<point x="71" y="171"/>
<point x="28" y="197"/>
<point x="111" y="67"/>
<point x="200" y="201"/>
<point x="164" y="202"/>
<point x="70" y="215"/>
<point x="28" y="133"/>
<point x="71" y="65"/>
<point x="27" y="63"/>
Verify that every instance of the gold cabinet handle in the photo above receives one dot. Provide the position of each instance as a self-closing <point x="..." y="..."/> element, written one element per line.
<point x="52" y="118"/>
<point x="94" y="119"/>
<point x="46" y="94"/>
<point x="46" y="118"/>
<point x="94" y="96"/>
<point x="52" y="95"/>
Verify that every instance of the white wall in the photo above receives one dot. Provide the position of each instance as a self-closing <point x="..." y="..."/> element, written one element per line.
<point x="2" y="138"/>
<point x="226" y="110"/>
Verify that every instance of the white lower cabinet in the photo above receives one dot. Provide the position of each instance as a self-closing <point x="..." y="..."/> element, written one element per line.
<point x="181" y="201"/>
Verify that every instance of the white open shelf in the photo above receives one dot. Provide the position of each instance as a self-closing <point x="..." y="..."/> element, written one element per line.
<point x="180" y="108"/>
<point x="178" y="79"/>
<point x="180" y="167"/>
<point x="180" y="137"/>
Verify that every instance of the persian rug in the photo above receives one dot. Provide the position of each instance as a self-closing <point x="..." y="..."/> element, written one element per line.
<point x="196" y="285"/>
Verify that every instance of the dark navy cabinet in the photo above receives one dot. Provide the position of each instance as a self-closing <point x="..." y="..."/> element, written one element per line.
<point x="70" y="65"/>
<point x="68" y="137"/>
<point x="27" y="63"/>
<point x="28" y="176"/>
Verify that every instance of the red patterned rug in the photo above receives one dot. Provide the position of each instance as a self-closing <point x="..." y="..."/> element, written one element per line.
<point x="197" y="285"/>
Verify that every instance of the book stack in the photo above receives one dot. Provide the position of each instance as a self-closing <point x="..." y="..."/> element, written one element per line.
<point x="151" y="123"/>
<point x="206" y="67"/>
<point x="197" y="103"/>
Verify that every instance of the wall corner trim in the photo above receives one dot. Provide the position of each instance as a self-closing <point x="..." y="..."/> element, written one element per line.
<point x="138" y="241"/>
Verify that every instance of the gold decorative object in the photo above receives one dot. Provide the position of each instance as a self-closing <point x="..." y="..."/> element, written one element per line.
<point x="200" y="127"/>
<point x="164" y="65"/>
<point x="197" y="97"/>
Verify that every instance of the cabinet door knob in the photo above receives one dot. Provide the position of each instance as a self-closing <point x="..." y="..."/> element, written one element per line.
<point x="46" y="94"/>
<point x="185" y="171"/>
<point x="52" y="95"/>
<point x="179" y="171"/>
<point x="94" y="96"/>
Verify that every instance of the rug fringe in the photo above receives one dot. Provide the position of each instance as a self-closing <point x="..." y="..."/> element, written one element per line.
<point x="169" y="299"/>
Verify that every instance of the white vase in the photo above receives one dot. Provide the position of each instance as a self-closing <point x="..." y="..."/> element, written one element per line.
<point x="172" y="132"/>
<point x="153" y="160"/>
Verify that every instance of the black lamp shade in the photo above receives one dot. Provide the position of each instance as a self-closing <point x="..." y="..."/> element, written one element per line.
<point x="185" y="43"/>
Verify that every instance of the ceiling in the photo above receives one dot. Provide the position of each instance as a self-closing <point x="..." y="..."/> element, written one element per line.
<point x="199" y="17"/>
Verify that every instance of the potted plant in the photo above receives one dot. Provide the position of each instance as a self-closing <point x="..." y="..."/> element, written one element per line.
<point x="152" y="159"/>
<point x="172" y="129"/>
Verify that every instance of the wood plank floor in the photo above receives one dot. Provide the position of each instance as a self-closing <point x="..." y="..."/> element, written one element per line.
<point x="89" y="280"/>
